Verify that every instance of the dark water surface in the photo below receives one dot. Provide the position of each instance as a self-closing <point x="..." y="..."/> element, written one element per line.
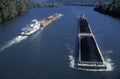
<point x="50" y="53"/>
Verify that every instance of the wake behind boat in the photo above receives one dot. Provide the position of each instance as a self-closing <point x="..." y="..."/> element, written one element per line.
<point x="35" y="25"/>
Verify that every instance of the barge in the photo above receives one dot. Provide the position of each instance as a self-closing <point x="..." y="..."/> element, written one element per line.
<point x="90" y="56"/>
<point x="36" y="25"/>
<point x="50" y="19"/>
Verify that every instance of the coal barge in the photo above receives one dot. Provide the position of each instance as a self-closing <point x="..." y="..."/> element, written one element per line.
<point x="90" y="56"/>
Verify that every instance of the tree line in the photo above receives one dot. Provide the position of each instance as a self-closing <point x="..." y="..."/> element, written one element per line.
<point x="12" y="8"/>
<point x="111" y="8"/>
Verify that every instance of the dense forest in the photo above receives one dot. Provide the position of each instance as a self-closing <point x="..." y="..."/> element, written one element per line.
<point x="112" y="8"/>
<point x="78" y="1"/>
<point x="12" y="8"/>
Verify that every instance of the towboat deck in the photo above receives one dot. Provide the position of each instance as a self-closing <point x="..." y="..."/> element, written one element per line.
<point x="90" y="56"/>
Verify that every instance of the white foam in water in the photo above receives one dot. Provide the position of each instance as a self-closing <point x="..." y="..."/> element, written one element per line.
<point x="72" y="61"/>
<point x="13" y="41"/>
<point x="108" y="63"/>
<point x="71" y="51"/>
<point x="109" y="51"/>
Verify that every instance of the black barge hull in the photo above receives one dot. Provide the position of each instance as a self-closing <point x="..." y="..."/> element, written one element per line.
<point x="90" y="56"/>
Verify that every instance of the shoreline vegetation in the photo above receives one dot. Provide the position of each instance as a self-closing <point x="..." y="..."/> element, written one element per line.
<point x="110" y="8"/>
<point x="80" y="4"/>
<point x="13" y="8"/>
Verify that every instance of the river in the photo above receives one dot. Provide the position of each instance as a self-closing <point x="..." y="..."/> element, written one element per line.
<point x="50" y="53"/>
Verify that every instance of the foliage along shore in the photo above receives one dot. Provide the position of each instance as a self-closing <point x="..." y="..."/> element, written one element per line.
<point x="112" y="8"/>
<point x="12" y="8"/>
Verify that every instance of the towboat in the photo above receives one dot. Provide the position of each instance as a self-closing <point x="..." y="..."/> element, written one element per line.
<point x="35" y="25"/>
<point x="31" y="28"/>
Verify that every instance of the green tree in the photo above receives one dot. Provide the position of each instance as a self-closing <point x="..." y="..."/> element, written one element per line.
<point x="0" y="17"/>
<point x="112" y="8"/>
<point x="22" y="8"/>
<point x="12" y="9"/>
<point x="5" y="14"/>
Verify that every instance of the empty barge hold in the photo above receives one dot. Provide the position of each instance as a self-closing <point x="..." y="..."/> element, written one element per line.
<point x="84" y="27"/>
<point x="90" y="56"/>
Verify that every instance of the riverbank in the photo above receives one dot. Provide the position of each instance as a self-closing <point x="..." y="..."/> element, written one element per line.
<point x="79" y="4"/>
<point x="11" y="9"/>
<point x="112" y="8"/>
